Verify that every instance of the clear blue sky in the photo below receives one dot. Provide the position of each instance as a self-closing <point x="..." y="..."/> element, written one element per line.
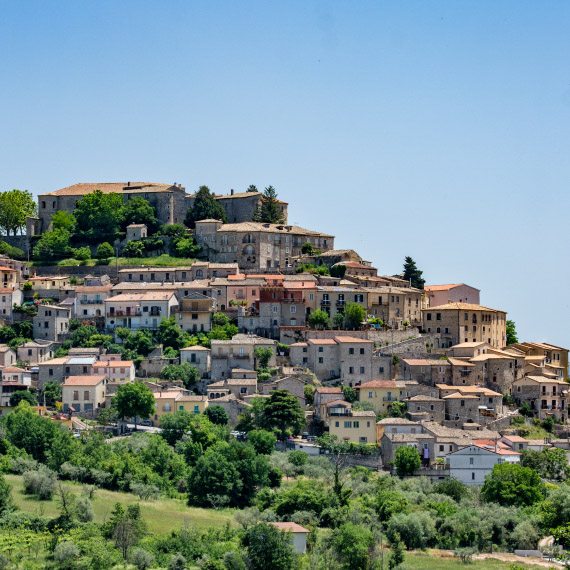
<point x="433" y="129"/>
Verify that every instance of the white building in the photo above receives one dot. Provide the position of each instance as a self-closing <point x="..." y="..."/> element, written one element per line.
<point x="298" y="534"/>
<point x="471" y="464"/>
<point x="139" y="310"/>
<point x="8" y="298"/>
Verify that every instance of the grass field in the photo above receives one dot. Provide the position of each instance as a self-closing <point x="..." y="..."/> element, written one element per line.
<point x="164" y="260"/>
<point x="161" y="516"/>
<point x="432" y="561"/>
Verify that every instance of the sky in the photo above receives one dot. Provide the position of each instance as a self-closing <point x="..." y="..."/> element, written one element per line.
<point x="439" y="130"/>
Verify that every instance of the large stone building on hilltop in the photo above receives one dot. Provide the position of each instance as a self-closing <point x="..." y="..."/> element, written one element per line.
<point x="257" y="246"/>
<point x="170" y="201"/>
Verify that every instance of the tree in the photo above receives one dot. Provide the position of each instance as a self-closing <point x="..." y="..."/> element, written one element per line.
<point x="398" y="409"/>
<point x="63" y="220"/>
<point x="510" y="484"/>
<point x="205" y="207"/>
<point x="66" y="555"/>
<point x="185" y="247"/>
<point x="134" y="400"/>
<point x="174" y="426"/>
<point x="397" y="552"/>
<point x="23" y="395"/>
<point x="105" y="250"/>
<point x="98" y="216"/>
<point x="307" y="248"/>
<point x="352" y="544"/>
<point x="263" y="355"/>
<point x="283" y="413"/>
<point x="134" y="248"/>
<point x="262" y="440"/>
<point x="338" y="270"/>
<point x="354" y="316"/>
<point x="186" y="373"/>
<point x="252" y="188"/>
<point x="217" y="415"/>
<point x="15" y="207"/>
<point x="413" y="274"/>
<point x="269" y="210"/>
<point x="407" y="460"/>
<point x="170" y="333"/>
<point x="137" y="210"/>
<point x="53" y="245"/>
<point x="267" y="547"/>
<point x="349" y="394"/>
<point x="416" y="529"/>
<point x="318" y="319"/>
<point x="551" y="463"/>
<point x="512" y="337"/>
<point x="5" y="495"/>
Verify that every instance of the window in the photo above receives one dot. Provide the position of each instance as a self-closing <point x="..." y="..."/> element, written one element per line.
<point x="321" y="349"/>
<point x="438" y="317"/>
<point x="362" y="370"/>
<point x="441" y="448"/>
<point x="429" y="316"/>
<point x="321" y="360"/>
<point x="471" y="461"/>
<point x="361" y="351"/>
<point x="86" y="395"/>
<point x="351" y="369"/>
<point x="347" y="424"/>
<point x="355" y="424"/>
<point x="166" y="407"/>
<point x="336" y="424"/>
<point x="351" y="351"/>
<point x="369" y="395"/>
<point x="472" y="476"/>
<point x="293" y="308"/>
<point x="75" y="395"/>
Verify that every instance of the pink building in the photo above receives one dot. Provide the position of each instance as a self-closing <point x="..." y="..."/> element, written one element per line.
<point x="454" y="293"/>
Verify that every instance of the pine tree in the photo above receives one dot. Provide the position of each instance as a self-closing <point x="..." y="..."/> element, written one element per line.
<point x="397" y="556"/>
<point x="413" y="274"/>
<point x="268" y="210"/>
<point x="205" y="207"/>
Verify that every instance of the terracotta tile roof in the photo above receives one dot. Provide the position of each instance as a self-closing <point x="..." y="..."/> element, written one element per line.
<point x="425" y="362"/>
<point x="333" y="403"/>
<point x="377" y="384"/>
<point x="459" y="362"/>
<point x="94" y="289"/>
<point x="108" y="187"/>
<point x="113" y="364"/>
<point x="321" y="341"/>
<point x="4" y="268"/>
<point x="147" y="296"/>
<point x="88" y="380"/>
<point x="290" y="527"/>
<point x="271" y="228"/>
<point x="12" y="370"/>
<point x="328" y="390"/>
<point x="463" y="307"/>
<point x="396" y="422"/>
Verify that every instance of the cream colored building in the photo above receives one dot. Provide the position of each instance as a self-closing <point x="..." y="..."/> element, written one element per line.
<point x="139" y="310"/>
<point x="451" y="293"/>
<point x="121" y="371"/>
<point x="195" y="312"/>
<point x="84" y="394"/>
<point x="380" y="394"/>
<point x="396" y="305"/>
<point x="169" y="401"/>
<point x="353" y="425"/>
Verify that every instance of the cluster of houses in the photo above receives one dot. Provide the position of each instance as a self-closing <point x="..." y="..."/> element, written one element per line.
<point x="436" y="351"/>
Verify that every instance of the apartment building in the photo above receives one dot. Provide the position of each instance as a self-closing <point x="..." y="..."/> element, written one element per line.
<point x="466" y="322"/>
<point x="13" y="379"/>
<point x="169" y="401"/>
<point x="8" y="298"/>
<point x="51" y="323"/>
<point x="195" y="312"/>
<point x="239" y="387"/>
<point x="381" y="394"/>
<point x="9" y="277"/>
<point x="117" y="371"/>
<point x="140" y="310"/>
<point x="90" y="300"/>
<point x="239" y="352"/>
<point x="545" y="396"/>
<point x="426" y="371"/>
<point x="199" y="357"/>
<point x="396" y="306"/>
<point x="84" y="394"/>
<point x="7" y="356"/>
<point x="346" y="424"/>
<point x="333" y="300"/>
<point x="555" y="357"/>
<point x="35" y="351"/>
<point x="257" y="246"/>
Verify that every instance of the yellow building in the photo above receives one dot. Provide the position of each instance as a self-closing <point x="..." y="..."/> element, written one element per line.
<point x="354" y="426"/>
<point x="381" y="393"/>
<point x="170" y="401"/>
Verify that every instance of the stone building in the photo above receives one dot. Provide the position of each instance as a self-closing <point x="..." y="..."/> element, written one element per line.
<point x="453" y="293"/>
<point x="195" y="312"/>
<point x="239" y="352"/>
<point x="51" y="323"/>
<point x="396" y="305"/>
<point x="136" y="232"/>
<point x="466" y="322"/>
<point x="257" y="246"/>
<point x="241" y="206"/>
<point x="169" y="200"/>
<point x="545" y="396"/>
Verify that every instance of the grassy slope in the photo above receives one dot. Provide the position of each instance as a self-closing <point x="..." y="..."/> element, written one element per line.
<point x="161" y="516"/>
<point x="430" y="561"/>
<point x="164" y="260"/>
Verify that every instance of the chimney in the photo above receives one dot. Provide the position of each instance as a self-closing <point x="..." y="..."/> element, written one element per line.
<point x="128" y="184"/>
<point x="232" y="192"/>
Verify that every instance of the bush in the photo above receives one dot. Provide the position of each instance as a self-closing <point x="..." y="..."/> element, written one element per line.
<point x="145" y="492"/>
<point x="298" y="458"/>
<point x="134" y="248"/>
<point x="262" y="440"/>
<point x="40" y="483"/>
<point x="105" y="250"/>
<point x="65" y="555"/>
<point x="177" y="562"/>
<point x="416" y="530"/>
<point x="141" y="558"/>
<point x="82" y="253"/>
<point x="84" y="510"/>
<point x="407" y="461"/>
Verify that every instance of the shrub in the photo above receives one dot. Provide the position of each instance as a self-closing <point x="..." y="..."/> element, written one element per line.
<point x="105" y="250"/>
<point x="65" y="555"/>
<point x="407" y="460"/>
<point x="84" y="509"/>
<point x="82" y="253"/>
<point x="40" y="483"/>
<point x="145" y="492"/>
<point x="416" y="530"/>
<point x="298" y="458"/>
<point x="141" y="558"/>
<point x="134" y="248"/>
<point x="177" y="562"/>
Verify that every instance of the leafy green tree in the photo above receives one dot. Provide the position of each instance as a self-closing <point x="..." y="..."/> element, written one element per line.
<point x="140" y="342"/>
<point x="338" y="321"/>
<point x="98" y="216"/>
<point x="139" y="211"/>
<point x="407" y="460"/>
<point x="23" y="395"/>
<point x="217" y="415"/>
<point x="252" y="188"/>
<point x="307" y="248"/>
<point x="413" y="274"/>
<point x="338" y="270"/>
<point x="5" y="495"/>
<point x="29" y="431"/>
<point x="551" y="463"/>
<point x="15" y="207"/>
<point x="105" y="250"/>
<point x="205" y="207"/>
<point x="220" y="320"/>
<point x="263" y="355"/>
<point x="63" y="220"/>
<point x="185" y="247"/>
<point x="511" y="484"/>
<point x="398" y="409"/>
<point x="416" y="530"/>
<point x="134" y="400"/>
<point x="352" y="544"/>
<point x="267" y="547"/>
<point x="186" y="373"/>
<point x="82" y="253"/>
<point x="283" y="414"/>
<point x="318" y="319"/>
<point x="269" y="209"/>
<point x="349" y="394"/>
<point x="53" y="245"/>
<point x="262" y="440"/>
<point x="170" y="333"/>
<point x="452" y="488"/>
<point x="354" y="316"/>
<point x="134" y="248"/>
<point x="396" y="552"/>
<point x="512" y="337"/>
<point x="175" y="425"/>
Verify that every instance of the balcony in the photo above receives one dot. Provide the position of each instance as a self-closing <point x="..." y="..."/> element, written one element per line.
<point x="136" y="313"/>
<point x="389" y="399"/>
<point x="91" y="302"/>
<point x="325" y="303"/>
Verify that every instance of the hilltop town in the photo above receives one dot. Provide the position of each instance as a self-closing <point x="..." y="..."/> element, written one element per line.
<point x="133" y="306"/>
